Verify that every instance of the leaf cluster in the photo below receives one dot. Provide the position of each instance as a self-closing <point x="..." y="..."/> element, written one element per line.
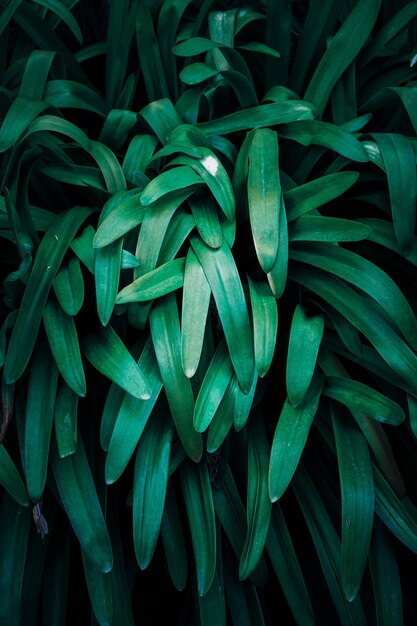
<point x="208" y="331"/>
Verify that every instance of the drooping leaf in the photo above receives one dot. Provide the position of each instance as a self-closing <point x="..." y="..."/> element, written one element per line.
<point x="131" y="418"/>
<point x="108" y="354"/>
<point x="264" y="196"/>
<point x="357" y="489"/>
<point x="198" y="502"/>
<point x="287" y="567"/>
<point x="79" y="498"/>
<point x="265" y="324"/>
<point x="195" y="308"/>
<point x="159" y="282"/>
<point x="63" y="340"/>
<point x="258" y="502"/>
<point x="149" y="486"/>
<point x="39" y="419"/>
<point x="213" y="388"/>
<point x="360" y="397"/>
<point x="222" y="275"/>
<point x="343" y="48"/>
<point x="165" y="331"/>
<point x="290" y="438"/>
<point x="47" y="262"/>
<point x="400" y="166"/>
<point x="305" y="337"/>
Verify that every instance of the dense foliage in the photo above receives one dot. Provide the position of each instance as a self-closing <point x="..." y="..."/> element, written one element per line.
<point x="172" y="174"/>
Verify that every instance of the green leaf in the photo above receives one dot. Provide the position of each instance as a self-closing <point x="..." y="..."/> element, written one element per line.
<point x="47" y="262"/>
<point x="121" y="213"/>
<point x="99" y="591"/>
<point x="165" y="331"/>
<point x="69" y="94"/>
<point x="7" y="13"/>
<point x="159" y="282"/>
<point x="222" y="275"/>
<point x="63" y="340"/>
<point x="232" y="516"/>
<point x="129" y="261"/>
<point x="55" y="581"/>
<point x="333" y="229"/>
<point x="258" y="117"/>
<point x="83" y="248"/>
<point x="122" y="602"/>
<point x="194" y="46"/>
<point x="14" y="522"/>
<point x="223" y="419"/>
<point x="265" y="324"/>
<point x="79" y="498"/>
<point x="373" y="430"/>
<point x="195" y="308"/>
<point x="52" y="123"/>
<point x="212" y="605"/>
<point x="366" y="276"/>
<point x="243" y="404"/>
<point x="400" y="166"/>
<point x="204" y="211"/>
<point x="258" y="502"/>
<point x="365" y="318"/>
<point x="260" y="48"/>
<point x="109" y="166"/>
<point x="162" y="117"/>
<point x="35" y="75"/>
<point x="313" y="132"/>
<point x="182" y="225"/>
<point x="398" y="515"/>
<point x="305" y="338"/>
<point x="357" y="487"/>
<point x="277" y="277"/>
<point x="39" y="419"/>
<point x="198" y="502"/>
<point x="386" y="581"/>
<point x="65" y="15"/>
<point x="65" y="420"/>
<point x="138" y="155"/>
<point x="264" y="196"/>
<point x="120" y="23"/>
<point x="149" y="55"/>
<point x="388" y="31"/>
<point x="197" y="73"/>
<point x="327" y="545"/>
<point x="69" y="286"/>
<point x="131" y="418"/>
<point x="342" y="50"/>
<point x="287" y="568"/>
<point x="290" y="437"/>
<point x="32" y="23"/>
<point x="359" y="397"/>
<point x="117" y="128"/>
<point x="213" y="388"/>
<point x="108" y="354"/>
<point x="173" y="180"/>
<point x="170" y="20"/>
<point x="173" y="541"/>
<point x="10" y="478"/>
<point x="149" y="486"/>
<point x="21" y="113"/>
<point x="242" y="598"/>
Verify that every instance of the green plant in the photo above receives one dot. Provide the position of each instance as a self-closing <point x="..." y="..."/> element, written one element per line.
<point x="166" y="188"/>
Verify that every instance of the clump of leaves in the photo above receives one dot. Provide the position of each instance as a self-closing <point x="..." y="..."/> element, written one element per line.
<point x="172" y="175"/>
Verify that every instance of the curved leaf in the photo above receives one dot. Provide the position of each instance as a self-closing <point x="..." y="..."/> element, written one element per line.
<point x="222" y="275"/>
